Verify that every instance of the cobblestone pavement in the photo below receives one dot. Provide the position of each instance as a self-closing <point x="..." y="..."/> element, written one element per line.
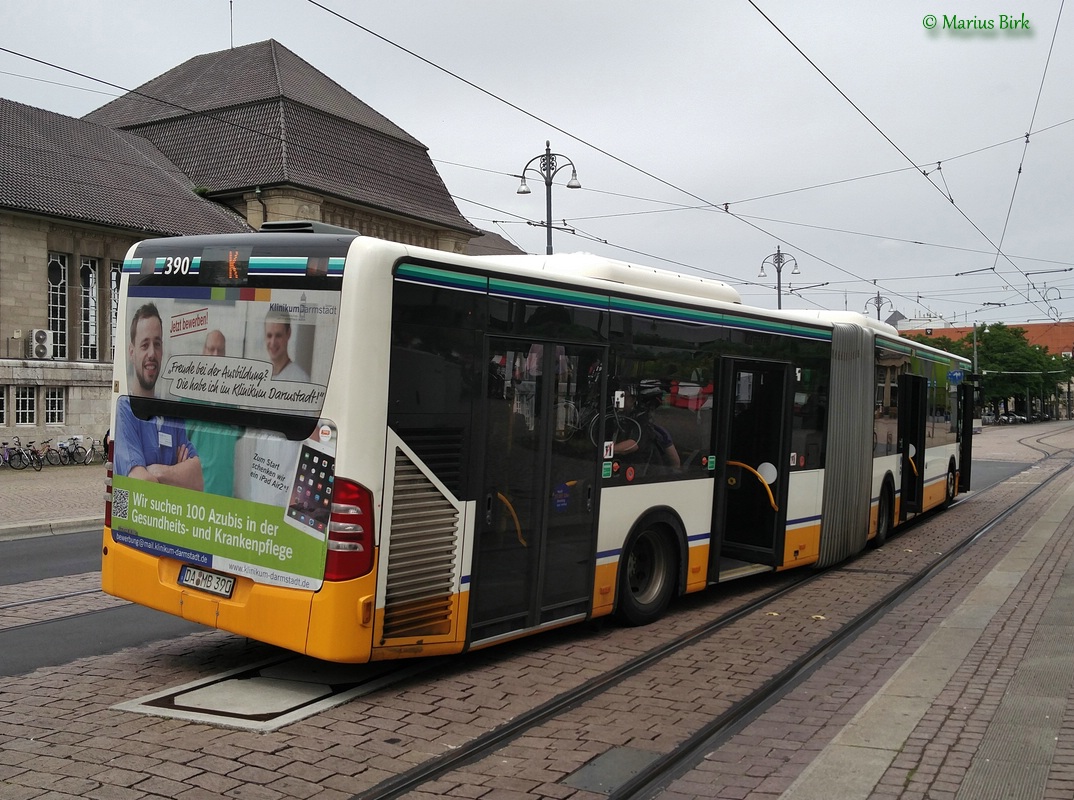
<point x="54" y="500"/>
<point x="963" y="692"/>
<point x="832" y="737"/>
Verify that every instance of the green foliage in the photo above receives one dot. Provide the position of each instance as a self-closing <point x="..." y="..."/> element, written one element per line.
<point x="1011" y="367"/>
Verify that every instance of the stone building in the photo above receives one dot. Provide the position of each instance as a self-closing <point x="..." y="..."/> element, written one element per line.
<point x="218" y="144"/>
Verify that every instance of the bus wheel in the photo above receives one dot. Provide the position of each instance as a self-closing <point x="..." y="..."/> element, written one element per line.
<point x="646" y="576"/>
<point x="883" y="515"/>
<point x="949" y="487"/>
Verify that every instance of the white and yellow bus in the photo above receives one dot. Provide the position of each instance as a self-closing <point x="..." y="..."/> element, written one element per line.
<point x="361" y="450"/>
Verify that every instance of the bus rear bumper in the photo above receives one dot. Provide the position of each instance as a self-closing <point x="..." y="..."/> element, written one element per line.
<point x="332" y="624"/>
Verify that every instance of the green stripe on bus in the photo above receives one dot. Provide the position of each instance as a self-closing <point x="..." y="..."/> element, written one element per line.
<point x="558" y="294"/>
<point x="442" y="277"/>
<point x="897" y="346"/>
<point x="279" y="263"/>
<point x="719" y="318"/>
<point x="555" y="294"/>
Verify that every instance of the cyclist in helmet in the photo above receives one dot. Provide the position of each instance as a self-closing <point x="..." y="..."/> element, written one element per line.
<point x="640" y="401"/>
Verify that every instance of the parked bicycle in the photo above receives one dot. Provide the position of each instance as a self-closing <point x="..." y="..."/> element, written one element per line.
<point x="51" y="453"/>
<point x="73" y="450"/>
<point x="65" y="447"/>
<point x="19" y="455"/>
<point x="96" y="452"/>
<point x="11" y="455"/>
<point x="34" y="456"/>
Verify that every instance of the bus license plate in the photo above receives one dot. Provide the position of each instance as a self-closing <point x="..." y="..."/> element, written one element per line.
<point x="210" y="582"/>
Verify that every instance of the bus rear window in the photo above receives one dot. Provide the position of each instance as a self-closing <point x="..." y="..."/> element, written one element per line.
<point x="231" y="329"/>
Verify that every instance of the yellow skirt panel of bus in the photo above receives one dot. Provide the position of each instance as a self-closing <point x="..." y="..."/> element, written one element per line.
<point x="604" y="589"/>
<point x="935" y="494"/>
<point x="438" y="629"/>
<point x="697" y="567"/>
<point x="341" y="621"/>
<point x="801" y="546"/>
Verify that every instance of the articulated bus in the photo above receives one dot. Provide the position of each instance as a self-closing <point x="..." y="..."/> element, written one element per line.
<point x="361" y="450"/>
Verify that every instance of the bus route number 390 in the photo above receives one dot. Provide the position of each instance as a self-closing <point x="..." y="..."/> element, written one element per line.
<point x="211" y="582"/>
<point x="176" y="266"/>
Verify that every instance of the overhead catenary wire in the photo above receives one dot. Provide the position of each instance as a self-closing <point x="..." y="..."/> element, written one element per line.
<point x="708" y="205"/>
<point x="878" y="129"/>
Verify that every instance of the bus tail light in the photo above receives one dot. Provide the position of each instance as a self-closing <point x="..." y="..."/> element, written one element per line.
<point x="350" y="532"/>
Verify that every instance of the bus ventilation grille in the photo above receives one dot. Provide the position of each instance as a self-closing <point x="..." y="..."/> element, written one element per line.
<point x="440" y="450"/>
<point x="421" y="562"/>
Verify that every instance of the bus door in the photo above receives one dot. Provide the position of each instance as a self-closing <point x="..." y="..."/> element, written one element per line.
<point x="752" y="463"/>
<point x="913" y="408"/>
<point x="966" y="398"/>
<point x="536" y="528"/>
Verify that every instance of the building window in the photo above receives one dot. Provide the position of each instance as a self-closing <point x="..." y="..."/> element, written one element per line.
<point x="25" y="405"/>
<point x="113" y="276"/>
<point x="55" y="405"/>
<point x="3" y="405"/>
<point x="57" y="303"/>
<point x="87" y="350"/>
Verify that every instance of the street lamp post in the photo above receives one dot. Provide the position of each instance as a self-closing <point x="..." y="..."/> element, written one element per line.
<point x="777" y="260"/>
<point x="549" y="166"/>
<point x="879" y="302"/>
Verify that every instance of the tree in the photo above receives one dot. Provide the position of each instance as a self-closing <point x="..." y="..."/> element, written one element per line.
<point x="1014" y="372"/>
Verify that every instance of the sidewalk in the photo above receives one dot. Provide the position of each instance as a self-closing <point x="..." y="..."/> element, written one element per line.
<point x="53" y="501"/>
<point x="981" y="710"/>
<point x="962" y="691"/>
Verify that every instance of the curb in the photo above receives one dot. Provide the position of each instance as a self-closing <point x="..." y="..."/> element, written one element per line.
<point x="30" y="530"/>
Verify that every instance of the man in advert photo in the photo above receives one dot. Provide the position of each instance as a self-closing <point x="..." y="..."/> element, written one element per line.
<point x="155" y="449"/>
<point x="277" y="340"/>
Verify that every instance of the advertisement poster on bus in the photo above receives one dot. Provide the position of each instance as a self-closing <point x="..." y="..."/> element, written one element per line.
<point x="271" y="352"/>
<point x="283" y="543"/>
<point x="240" y="499"/>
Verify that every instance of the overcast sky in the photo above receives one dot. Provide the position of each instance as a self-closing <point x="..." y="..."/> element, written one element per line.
<point x="805" y="118"/>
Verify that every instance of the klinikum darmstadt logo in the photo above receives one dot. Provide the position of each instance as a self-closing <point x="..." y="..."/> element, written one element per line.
<point x="953" y="22"/>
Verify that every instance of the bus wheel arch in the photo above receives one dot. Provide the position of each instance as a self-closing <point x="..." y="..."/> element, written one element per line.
<point x="650" y="568"/>
<point x="885" y="511"/>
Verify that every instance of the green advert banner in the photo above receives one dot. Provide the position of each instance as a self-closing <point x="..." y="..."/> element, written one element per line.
<point x="240" y="537"/>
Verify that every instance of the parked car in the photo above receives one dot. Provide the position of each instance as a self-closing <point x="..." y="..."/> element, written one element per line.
<point x="1010" y="418"/>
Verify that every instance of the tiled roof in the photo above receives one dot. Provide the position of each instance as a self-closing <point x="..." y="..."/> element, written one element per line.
<point x="248" y="74"/>
<point x="259" y="115"/>
<point x="60" y="166"/>
<point x="491" y="244"/>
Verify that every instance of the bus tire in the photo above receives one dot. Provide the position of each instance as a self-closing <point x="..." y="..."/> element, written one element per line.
<point x="950" y="485"/>
<point x="884" y="513"/>
<point x="647" y="574"/>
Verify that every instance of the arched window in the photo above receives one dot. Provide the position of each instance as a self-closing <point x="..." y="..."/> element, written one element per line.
<point x="57" y="303"/>
<point x="88" y="350"/>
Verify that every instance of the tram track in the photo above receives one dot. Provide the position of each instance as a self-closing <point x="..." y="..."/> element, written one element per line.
<point x="39" y="603"/>
<point x="368" y="745"/>
<point x="665" y="769"/>
<point x="740" y="710"/>
<point x="50" y="599"/>
<point x="1039" y="441"/>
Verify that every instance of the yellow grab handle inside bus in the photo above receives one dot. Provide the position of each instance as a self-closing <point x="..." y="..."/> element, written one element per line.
<point x="757" y="475"/>
<point x="514" y="516"/>
<point x="913" y="466"/>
